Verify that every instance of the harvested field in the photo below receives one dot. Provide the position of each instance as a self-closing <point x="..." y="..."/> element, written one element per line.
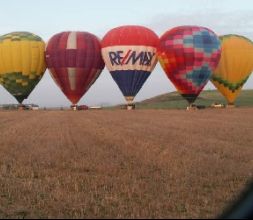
<point x="123" y="164"/>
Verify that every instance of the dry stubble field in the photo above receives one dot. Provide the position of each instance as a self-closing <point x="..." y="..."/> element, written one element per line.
<point x="121" y="164"/>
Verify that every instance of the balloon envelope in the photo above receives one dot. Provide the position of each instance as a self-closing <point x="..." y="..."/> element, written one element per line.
<point x="188" y="55"/>
<point x="75" y="62"/>
<point x="235" y="66"/>
<point x="22" y="63"/>
<point x="130" y="55"/>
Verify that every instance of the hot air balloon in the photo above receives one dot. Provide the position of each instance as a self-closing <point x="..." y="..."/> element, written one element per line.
<point x="235" y="67"/>
<point x="22" y="63"/>
<point x="188" y="55"/>
<point x="130" y="55"/>
<point x="75" y="62"/>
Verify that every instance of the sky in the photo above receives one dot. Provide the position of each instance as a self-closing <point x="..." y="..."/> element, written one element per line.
<point x="48" y="17"/>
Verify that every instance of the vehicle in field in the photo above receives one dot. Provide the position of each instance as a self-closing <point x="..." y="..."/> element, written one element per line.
<point x="82" y="107"/>
<point x="95" y="107"/>
<point x="217" y="105"/>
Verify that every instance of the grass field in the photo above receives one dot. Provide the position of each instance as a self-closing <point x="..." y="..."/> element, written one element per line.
<point x="174" y="100"/>
<point x="123" y="164"/>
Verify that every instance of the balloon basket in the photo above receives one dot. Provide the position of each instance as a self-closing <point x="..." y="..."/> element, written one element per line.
<point x="21" y="107"/>
<point x="130" y="106"/>
<point x="191" y="108"/>
<point x="73" y="107"/>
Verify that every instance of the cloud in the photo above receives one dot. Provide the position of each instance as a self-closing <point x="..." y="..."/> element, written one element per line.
<point x="233" y="22"/>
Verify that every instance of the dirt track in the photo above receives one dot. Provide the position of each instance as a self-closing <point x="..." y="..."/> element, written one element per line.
<point x="121" y="164"/>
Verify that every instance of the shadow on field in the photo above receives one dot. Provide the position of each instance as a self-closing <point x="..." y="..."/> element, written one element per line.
<point x="243" y="208"/>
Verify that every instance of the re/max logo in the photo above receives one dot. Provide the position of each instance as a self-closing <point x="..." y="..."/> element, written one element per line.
<point x="132" y="57"/>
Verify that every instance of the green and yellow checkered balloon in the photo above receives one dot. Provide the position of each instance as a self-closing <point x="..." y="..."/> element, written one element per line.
<point x="22" y="63"/>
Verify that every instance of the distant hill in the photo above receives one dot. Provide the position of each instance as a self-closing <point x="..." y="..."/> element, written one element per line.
<point x="174" y="100"/>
